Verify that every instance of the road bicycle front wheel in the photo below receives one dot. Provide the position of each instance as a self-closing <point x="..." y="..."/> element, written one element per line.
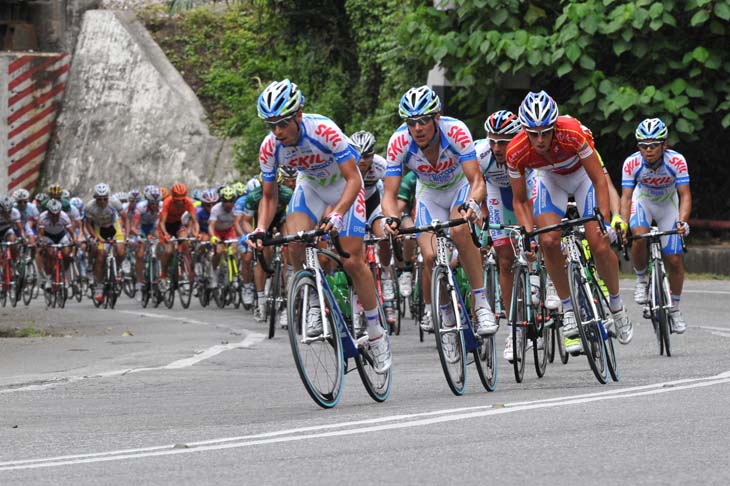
<point x="319" y="360"/>
<point x="185" y="280"/>
<point x="273" y="298"/>
<point x="449" y="340"/>
<point x="485" y="358"/>
<point x="589" y="327"/>
<point x="518" y="321"/>
<point x="661" y="311"/>
<point x="31" y="280"/>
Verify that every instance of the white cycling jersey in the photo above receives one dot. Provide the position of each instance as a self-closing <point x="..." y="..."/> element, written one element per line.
<point x="321" y="148"/>
<point x="456" y="148"/>
<point x="220" y="219"/>
<point x="657" y="184"/>
<point x="374" y="175"/>
<point x="50" y="227"/>
<point x="103" y="216"/>
<point x="30" y="214"/>
<point x="7" y="220"/>
<point x="147" y="215"/>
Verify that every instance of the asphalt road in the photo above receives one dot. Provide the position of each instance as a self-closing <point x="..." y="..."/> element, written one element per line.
<point x="157" y="396"/>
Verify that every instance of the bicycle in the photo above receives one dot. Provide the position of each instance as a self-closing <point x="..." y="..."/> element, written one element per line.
<point x="58" y="293"/>
<point x="202" y="269"/>
<point x="129" y="275"/>
<point x="528" y="316"/>
<point x="275" y="300"/>
<point x="8" y="274"/>
<point x="659" y="306"/>
<point x="323" y="360"/>
<point x="28" y="270"/>
<point x="151" y="276"/>
<point x="180" y="274"/>
<point x="112" y="285"/>
<point x="595" y="323"/>
<point x="453" y="342"/>
<point x="229" y="289"/>
<point x="372" y="257"/>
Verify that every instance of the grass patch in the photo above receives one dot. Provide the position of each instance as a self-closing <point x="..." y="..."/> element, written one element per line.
<point x="23" y="332"/>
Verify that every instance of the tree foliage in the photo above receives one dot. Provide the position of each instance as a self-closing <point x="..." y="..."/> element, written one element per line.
<point x="346" y="57"/>
<point x="609" y="63"/>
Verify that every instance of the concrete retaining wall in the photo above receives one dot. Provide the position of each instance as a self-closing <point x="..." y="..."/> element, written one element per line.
<point x="708" y="259"/>
<point x="129" y="118"/>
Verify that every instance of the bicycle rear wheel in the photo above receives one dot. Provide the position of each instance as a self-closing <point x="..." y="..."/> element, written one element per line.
<point x="589" y="328"/>
<point x="31" y="280"/>
<point x="449" y="340"/>
<point x="518" y="311"/>
<point x="319" y="360"/>
<point x="376" y="384"/>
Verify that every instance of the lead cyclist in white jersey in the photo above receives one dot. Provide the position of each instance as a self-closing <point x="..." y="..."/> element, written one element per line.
<point x="440" y="150"/>
<point x="655" y="183"/>
<point x="328" y="176"/>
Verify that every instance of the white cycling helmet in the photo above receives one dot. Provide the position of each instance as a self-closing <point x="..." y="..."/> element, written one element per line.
<point x="364" y="142"/>
<point x="101" y="190"/>
<point x="54" y="206"/>
<point x="21" y="195"/>
<point x="252" y="184"/>
<point x="6" y="203"/>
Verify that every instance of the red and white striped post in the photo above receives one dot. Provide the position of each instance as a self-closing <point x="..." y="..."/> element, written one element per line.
<point x="31" y="90"/>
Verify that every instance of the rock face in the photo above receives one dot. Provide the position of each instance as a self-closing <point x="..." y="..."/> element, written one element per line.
<point x="129" y="119"/>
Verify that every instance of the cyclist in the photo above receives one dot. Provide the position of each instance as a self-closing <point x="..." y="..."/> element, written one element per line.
<point x="568" y="165"/>
<point x="656" y="187"/>
<point x="56" y="192"/>
<point x="55" y="226"/>
<point x="11" y="226"/>
<point x="372" y="169"/>
<point x="239" y="208"/>
<point x="440" y="150"/>
<point x="277" y="224"/>
<point x="221" y="228"/>
<point x="28" y="213"/>
<point x="171" y="224"/>
<point x="328" y="176"/>
<point x="145" y="222"/>
<point x="289" y="176"/>
<point x="501" y="127"/>
<point x="103" y="223"/>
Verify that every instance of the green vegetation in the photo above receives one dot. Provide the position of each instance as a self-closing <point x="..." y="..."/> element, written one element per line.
<point x="28" y="331"/>
<point x="609" y="63"/>
<point x="345" y="56"/>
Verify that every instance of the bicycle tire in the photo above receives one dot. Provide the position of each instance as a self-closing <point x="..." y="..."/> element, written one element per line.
<point x="376" y="384"/>
<point x="31" y="279"/>
<point x="590" y="333"/>
<point x="540" y="317"/>
<point x="395" y="328"/>
<point x="662" y="314"/>
<point x="273" y="298"/>
<point x="560" y="339"/>
<point x="485" y="359"/>
<point x="455" y="371"/>
<point x="324" y="387"/>
<point x="185" y="281"/>
<point x="110" y="287"/>
<point x="553" y="342"/>
<point x="518" y="321"/>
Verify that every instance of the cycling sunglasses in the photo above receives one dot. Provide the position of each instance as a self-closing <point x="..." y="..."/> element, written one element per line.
<point x="423" y="121"/>
<point x="540" y="133"/>
<point x="649" y="145"/>
<point x="283" y="123"/>
<point x="499" y="141"/>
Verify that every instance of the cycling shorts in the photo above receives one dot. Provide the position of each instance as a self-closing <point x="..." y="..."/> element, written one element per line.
<point x="227" y="234"/>
<point x="313" y="201"/>
<point x="438" y="203"/>
<point x="666" y="214"/>
<point x="104" y="233"/>
<point x="58" y="239"/>
<point x="553" y="191"/>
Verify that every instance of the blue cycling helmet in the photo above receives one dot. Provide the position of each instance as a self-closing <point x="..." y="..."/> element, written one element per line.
<point x="651" y="129"/>
<point x="502" y="122"/>
<point x="280" y="98"/>
<point x="420" y="101"/>
<point x="538" y="110"/>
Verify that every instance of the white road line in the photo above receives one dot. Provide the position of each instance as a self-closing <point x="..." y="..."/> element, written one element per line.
<point x="250" y="340"/>
<point x="165" y="316"/>
<point x="714" y="328"/>
<point x="365" y="426"/>
<point x="721" y="334"/>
